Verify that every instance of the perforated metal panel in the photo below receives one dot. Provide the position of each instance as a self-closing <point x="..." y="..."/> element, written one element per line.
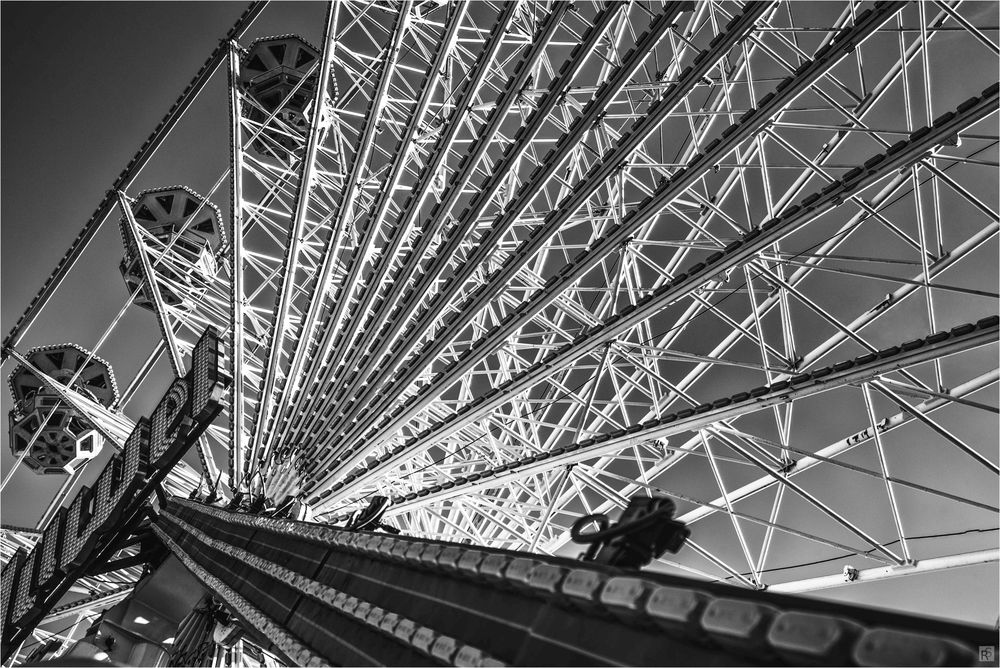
<point x="205" y="377"/>
<point x="51" y="539"/>
<point x="168" y="420"/>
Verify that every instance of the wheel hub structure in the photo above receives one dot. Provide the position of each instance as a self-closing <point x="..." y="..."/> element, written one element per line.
<point x="509" y="264"/>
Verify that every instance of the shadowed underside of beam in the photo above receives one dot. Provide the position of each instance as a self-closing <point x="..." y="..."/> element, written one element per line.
<point x="326" y="596"/>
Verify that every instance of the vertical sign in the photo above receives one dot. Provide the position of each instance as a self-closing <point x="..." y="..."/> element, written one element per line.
<point x="31" y="583"/>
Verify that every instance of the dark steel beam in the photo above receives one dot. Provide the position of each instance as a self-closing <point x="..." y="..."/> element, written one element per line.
<point x="361" y="598"/>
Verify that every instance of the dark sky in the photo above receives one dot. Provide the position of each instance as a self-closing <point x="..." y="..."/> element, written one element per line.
<point x="93" y="79"/>
<point x="83" y="85"/>
<point x="90" y="81"/>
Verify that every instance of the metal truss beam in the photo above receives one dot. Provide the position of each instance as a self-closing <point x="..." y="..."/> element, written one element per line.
<point x="205" y="455"/>
<point x="376" y="218"/>
<point x="458" y="182"/>
<point x="282" y="326"/>
<point x="500" y="173"/>
<point x="239" y="445"/>
<point x="725" y="408"/>
<point x="666" y="192"/>
<point x="434" y="163"/>
<point x="598" y="174"/>
<point x="804" y="463"/>
<point x="681" y="286"/>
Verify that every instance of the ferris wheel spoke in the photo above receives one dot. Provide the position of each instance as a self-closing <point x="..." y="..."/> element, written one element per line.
<point x="638" y="217"/>
<point x="239" y="443"/>
<point x="523" y="142"/>
<point x="839" y="447"/>
<point x="160" y="308"/>
<point x="899" y="295"/>
<point x="412" y="120"/>
<point x="150" y="285"/>
<point x="572" y="352"/>
<point x="266" y="189"/>
<point x="592" y="448"/>
<point x="595" y="177"/>
<point x="936" y="428"/>
<point x="725" y="504"/>
<point x="401" y="228"/>
<point x="440" y="150"/>
<point x="515" y="373"/>
<point x="484" y="136"/>
<point x="346" y="206"/>
<point x="860" y="469"/>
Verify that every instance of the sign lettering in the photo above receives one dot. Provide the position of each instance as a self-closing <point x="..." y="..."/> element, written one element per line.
<point x="31" y="583"/>
<point x="51" y="547"/>
<point x="170" y="419"/>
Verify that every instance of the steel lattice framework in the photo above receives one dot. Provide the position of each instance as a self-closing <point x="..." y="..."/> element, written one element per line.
<point x="515" y="263"/>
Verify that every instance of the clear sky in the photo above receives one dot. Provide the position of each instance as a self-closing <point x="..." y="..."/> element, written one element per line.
<point x="83" y="85"/>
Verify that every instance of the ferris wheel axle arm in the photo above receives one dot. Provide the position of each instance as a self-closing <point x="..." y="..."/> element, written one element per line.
<point x="772" y="231"/>
<point x="485" y="135"/>
<point x="375" y="222"/>
<point x="500" y="173"/>
<point x="594" y="178"/>
<point x="282" y="326"/>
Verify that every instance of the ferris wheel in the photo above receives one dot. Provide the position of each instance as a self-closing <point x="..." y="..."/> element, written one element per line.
<point x="509" y="265"/>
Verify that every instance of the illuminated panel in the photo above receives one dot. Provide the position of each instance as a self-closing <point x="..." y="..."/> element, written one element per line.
<point x="36" y="561"/>
<point x="94" y="510"/>
<point x="170" y="421"/>
<point x="52" y="539"/>
<point x="117" y="466"/>
<point x="25" y="596"/>
<point x="206" y="379"/>
<point x="6" y="579"/>
<point x="128" y="472"/>
<point x="136" y="455"/>
<point x="86" y="512"/>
